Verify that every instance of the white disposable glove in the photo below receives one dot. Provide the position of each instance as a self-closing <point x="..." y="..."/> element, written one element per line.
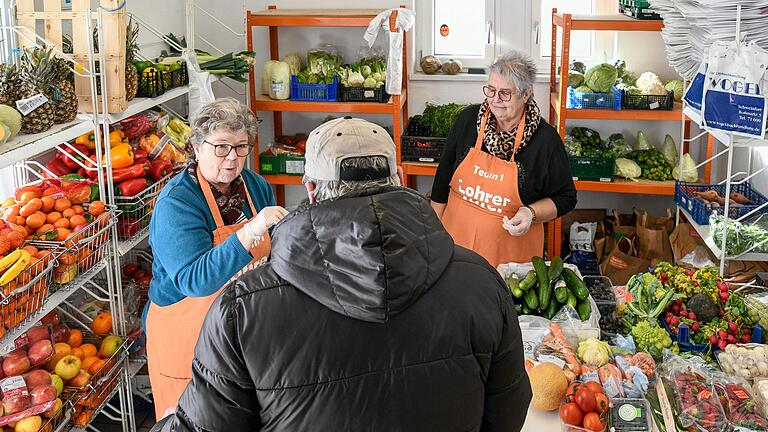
<point x="257" y="227"/>
<point x="520" y="222"/>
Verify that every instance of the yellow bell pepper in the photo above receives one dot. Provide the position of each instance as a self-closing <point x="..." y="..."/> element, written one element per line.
<point x="116" y="138"/>
<point x="121" y="156"/>
<point x="87" y="140"/>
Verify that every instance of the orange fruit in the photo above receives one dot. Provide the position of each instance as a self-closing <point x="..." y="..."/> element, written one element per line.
<point x="35" y="221"/>
<point x="77" y="220"/>
<point x="96" y="208"/>
<point x="45" y="228"/>
<point x="48" y="204"/>
<point x="61" y="223"/>
<point x="79" y="210"/>
<point x="28" y="196"/>
<point x="62" y="204"/>
<point x="102" y="324"/>
<point x="31" y="249"/>
<point x="96" y="366"/>
<point x="75" y="339"/>
<point x="53" y="217"/>
<point x="88" y="360"/>
<point x="68" y="213"/>
<point x="90" y="350"/>
<point x="21" y="220"/>
<point x="62" y="234"/>
<point x="77" y="352"/>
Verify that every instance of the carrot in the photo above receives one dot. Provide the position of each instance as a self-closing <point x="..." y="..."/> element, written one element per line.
<point x="561" y="344"/>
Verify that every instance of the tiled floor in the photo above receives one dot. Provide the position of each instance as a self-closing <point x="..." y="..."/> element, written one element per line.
<point x="145" y="419"/>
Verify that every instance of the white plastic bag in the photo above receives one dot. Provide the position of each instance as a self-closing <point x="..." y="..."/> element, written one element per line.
<point x="582" y="236"/>
<point x="200" y="91"/>
<point x="734" y="89"/>
<point x="404" y="22"/>
<point x="533" y="329"/>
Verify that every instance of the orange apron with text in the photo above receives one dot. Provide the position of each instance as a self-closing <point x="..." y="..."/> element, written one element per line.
<point x="483" y="191"/>
<point x="172" y="331"/>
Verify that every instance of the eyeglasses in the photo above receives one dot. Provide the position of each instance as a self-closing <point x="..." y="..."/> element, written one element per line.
<point x="223" y="150"/>
<point x="505" y="95"/>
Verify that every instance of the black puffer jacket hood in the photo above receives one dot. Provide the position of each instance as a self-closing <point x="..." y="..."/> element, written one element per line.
<point x="367" y="255"/>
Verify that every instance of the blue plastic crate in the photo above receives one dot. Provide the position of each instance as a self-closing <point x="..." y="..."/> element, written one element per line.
<point x="700" y="210"/>
<point x="314" y="92"/>
<point x="684" y="341"/>
<point x="578" y="100"/>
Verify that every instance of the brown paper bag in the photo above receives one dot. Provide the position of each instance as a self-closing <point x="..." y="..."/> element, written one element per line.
<point x="617" y="228"/>
<point x="653" y="238"/>
<point x="656" y="222"/>
<point x="622" y="263"/>
<point x="684" y="240"/>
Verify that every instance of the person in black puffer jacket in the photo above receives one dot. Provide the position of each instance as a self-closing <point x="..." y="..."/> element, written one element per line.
<point x="366" y="318"/>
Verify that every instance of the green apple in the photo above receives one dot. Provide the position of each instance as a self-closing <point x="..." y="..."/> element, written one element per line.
<point x="109" y="346"/>
<point x="29" y="424"/>
<point x="58" y="383"/>
<point x="68" y="367"/>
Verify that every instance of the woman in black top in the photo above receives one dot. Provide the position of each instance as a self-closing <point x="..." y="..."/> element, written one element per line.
<point x="544" y="181"/>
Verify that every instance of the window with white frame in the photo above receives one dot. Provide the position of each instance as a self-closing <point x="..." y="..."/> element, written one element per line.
<point x="589" y="47"/>
<point x="457" y="29"/>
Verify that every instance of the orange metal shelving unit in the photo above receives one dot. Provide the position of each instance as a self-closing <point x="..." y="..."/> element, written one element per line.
<point x="274" y="18"/>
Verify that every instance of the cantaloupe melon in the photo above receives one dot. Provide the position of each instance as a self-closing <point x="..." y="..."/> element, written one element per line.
<point x="11" y="118"/>
<point x="5" y="133"/>
<point x="549" y="385"/>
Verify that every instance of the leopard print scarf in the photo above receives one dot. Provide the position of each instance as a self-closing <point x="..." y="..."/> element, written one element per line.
<point x="501" y="144"/>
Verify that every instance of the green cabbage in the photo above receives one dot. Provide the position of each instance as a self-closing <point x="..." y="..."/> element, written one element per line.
<point x="628" y="168"/>
<point x="669" y="150"/>
<point x="601" y="78"/>
<point x="295" y="62"/>
<point x="575" y="78"/>
<point x="642" y="142"/>
<point x="677" y="87"/>
<point x="584" y="89"/>
<point x="577" y="66"/>
<point x="572" y="146"/>
<point x="690" y="173"/>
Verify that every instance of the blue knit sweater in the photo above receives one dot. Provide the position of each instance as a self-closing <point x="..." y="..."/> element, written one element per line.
<point x="186" y="264"/>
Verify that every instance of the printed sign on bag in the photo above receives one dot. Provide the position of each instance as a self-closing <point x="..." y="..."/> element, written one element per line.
<point x="482" y="198"/>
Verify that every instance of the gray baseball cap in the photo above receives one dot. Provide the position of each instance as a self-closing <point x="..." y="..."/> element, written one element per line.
<point x="332" y="142"/>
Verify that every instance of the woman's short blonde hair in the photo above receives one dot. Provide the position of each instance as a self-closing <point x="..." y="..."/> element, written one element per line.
<point x="227" y="114"/>
<point x="517" y="68"/>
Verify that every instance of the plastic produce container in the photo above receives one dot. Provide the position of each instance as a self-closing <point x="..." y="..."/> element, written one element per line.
<point x="578" y="100"/>
<point x="314" y="92"/>
<point x="585" y="168"/>
<point x="700" y="210"/>
<point x="419" y="146"/>
<point x="648" y="102"/>
<point x="684" y="342"/>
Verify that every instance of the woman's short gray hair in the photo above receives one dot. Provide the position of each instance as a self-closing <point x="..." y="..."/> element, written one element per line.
<point x="517" y="68"/>
<point x="227" y="114"/>
<point x="327" y="189"/>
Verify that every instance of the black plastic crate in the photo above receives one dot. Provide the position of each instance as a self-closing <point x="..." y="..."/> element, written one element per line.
<point x="639" y="12"/>
<point x="154" y="83"/>
<point x="418" y="146"/>
<point x="648" y="102"/>
<point x="361" y="94"/>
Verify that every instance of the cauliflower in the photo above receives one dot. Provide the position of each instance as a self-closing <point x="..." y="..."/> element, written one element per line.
<point x="650" y="83"/>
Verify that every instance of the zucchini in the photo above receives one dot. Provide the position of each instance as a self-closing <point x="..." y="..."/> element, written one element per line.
<point x="530" y="299"/>
<point x="512" y="284"/>
<point x="575" y="284"/>
<point x="561" y="292"/>
<point x="542" y="274"/>
<point x="551" y="310"/>
<point x="584" y="309"/>
<point x="528" y="281"/>
<point x="572" y="300"/>
<point x="555" y="268"/>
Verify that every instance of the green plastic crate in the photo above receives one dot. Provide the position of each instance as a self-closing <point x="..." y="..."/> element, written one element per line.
<point x="294" y="165"/>
<point x="642" y="4"/>
<point x="270" y="165"/>
<point x="601" y="169"/>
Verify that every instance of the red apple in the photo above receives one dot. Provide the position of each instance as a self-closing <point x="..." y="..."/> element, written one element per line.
<point x="16" y="365"/>
<point x="52" y="318"/>
<point x="80" y="227"/>
<point x="38" y="333"/>
<point x="43" y="394"/>
<point x="16" y="404"/>
<point x="80" y="380"/>
<point x="40" y="352"/>
<point x="37" y="378"/>
<point x="60" y="333"/>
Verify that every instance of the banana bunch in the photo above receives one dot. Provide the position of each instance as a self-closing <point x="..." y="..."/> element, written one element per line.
<point x="178" y="131"/>
<point x="13" y="264"/>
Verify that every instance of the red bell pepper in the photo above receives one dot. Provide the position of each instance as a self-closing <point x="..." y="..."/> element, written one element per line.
<point x="71" y="160"/>
<point x="127" y="227"/>
<point x="82" y="173"/>
<point x="57" y="167"/>
<point x="136" y="170"/>
<point x="140" y="155"/>
<point x="160" y="168"/>
<point x="133" y="186"/>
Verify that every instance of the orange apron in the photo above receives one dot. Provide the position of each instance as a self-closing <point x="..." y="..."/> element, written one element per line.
<point x="483" y="191"/>
<point x="172" y="331"/>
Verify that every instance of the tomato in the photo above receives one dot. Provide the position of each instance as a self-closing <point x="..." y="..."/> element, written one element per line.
<point x="130" y="269"/>
<point x="585" y="399"/>
<point x="571" y="414"/>
<point x="571" y="392"/>
<point x="592" y="422"/>
<point x="601" y="403"/>
<point x="595" y="387"/>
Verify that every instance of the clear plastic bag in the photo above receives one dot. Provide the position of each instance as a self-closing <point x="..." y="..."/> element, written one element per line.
<point x="697" y="401"/>
<point x="576" y="330"/>
<point x="533" y="329"/>
<point x="737" y="401"/>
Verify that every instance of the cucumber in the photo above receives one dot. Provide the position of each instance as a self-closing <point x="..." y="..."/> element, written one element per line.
<point x="575" y="284"/>
<point x="551" y="310"/>
<point x="584" y="309"/>
<point x="526" y="310"/>
<point x="555" y="268"/>
<point x="561" y="292"/>
<point x="530" y="299"/>
<point x="542" y="274"/>
<point x="517" y="292"/>
<point x="512" y="284"/>
<point x="572" y="300"/>
<point x="518" y="308"/>
<point x="528" y="281"/>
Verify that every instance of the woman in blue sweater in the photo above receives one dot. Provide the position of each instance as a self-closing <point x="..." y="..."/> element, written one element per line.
<point x="210" y="223"/>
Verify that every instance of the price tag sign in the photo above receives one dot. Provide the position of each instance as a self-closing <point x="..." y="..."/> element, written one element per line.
<point x="26" y="106"/>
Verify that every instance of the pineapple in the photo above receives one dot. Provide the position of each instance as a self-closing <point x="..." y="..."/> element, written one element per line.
<point x="62" y="93"/>
<point x="131" y="74"/>
<point x="9" y="84"/>
<point x="38" y="73"/>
